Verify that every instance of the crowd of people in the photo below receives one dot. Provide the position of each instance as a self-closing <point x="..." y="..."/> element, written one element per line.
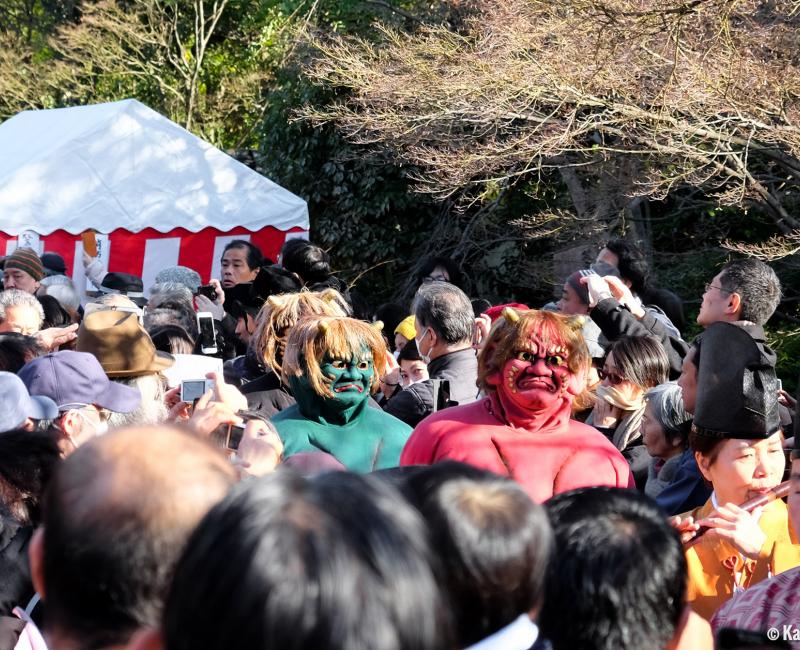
<point x="448" y="474"/>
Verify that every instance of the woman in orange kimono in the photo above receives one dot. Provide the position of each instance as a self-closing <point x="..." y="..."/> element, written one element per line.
<point x="738" y="445"/>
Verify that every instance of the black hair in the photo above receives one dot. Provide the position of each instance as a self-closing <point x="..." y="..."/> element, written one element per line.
<point x="494" y="544"/>
<point x="430" y="263"/>
<point x="54" y="314"/>
<point x="274" y="280"/>
<point x="27" y="460"/>
<point x="445" y="308"/>
<point x="390" y="314"/>
<point x="362" y="310"/>
<point x="641" y="360"/>
<point x="480" y="306"/>
<point x="255" y="258"/>
<point x="409" y="352"/>
<point x="632" y="264"/>
<point x="618" y="577"/>
<point x="337" y="562"/>
<point x="756" y="284"/>
<point x="172" y="338"/>
<point x="17" y="349"/>
<point x="307" y="260"/>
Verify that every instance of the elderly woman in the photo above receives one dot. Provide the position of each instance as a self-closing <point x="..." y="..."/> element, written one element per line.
<point x="665" y="432"/>
<point x="738" y="445"/>
<point x="634" y="364"/>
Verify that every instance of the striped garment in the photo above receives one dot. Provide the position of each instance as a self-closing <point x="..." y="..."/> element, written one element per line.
<point x="773" y="603"/>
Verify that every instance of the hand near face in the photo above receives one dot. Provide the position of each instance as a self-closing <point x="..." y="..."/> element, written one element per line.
<point x="737" y="527"/>
<point x="597" y="287"/>
<point x="606" y="416"/>
<point x="623" y="294"/>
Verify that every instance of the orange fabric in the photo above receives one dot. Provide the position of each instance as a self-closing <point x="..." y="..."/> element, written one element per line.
<point x="712" y="562"/>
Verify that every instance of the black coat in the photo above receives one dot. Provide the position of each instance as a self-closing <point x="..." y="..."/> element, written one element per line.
<point x="616" y="321"/>
<point x="460" y="372"/>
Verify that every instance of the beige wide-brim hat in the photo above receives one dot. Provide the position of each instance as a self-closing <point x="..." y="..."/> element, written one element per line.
<point x="121" y="344"/>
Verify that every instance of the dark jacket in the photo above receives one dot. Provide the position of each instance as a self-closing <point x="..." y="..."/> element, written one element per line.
<point x="267" y="395"/>
<point x="616" y="321"/>
<point x="15" y="581"/>
<point x="687" y="490"/>
<point x="460" y="372"/>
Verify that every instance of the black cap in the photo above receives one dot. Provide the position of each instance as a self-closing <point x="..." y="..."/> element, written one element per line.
<point x="53" y="264"/>
<point x="125" y="283"/>
<point x="737" y="390"/>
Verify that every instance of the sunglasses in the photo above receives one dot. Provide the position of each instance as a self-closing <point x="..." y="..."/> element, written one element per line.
<point x="613" y="377"/>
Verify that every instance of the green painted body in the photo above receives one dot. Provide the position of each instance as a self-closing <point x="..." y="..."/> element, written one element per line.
<point x="363" y="439"/>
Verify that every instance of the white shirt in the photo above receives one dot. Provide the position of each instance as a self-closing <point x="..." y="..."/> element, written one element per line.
<point x="520" y="634"/>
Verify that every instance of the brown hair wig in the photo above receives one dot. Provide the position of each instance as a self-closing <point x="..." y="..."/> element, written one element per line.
<point x="280" y="313"/>
<point x="513" y="331"/>
<point x="312" y="338"/>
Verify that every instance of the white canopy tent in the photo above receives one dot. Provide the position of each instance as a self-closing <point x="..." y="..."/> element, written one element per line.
<point x="122" y="165"/>
<point x="122" y="168"/>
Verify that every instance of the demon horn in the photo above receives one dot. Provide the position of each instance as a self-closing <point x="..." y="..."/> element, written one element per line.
<point x="510" y="315"/>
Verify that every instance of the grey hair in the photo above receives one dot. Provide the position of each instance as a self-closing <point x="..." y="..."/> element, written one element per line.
<point x="151" y="409"/>
<point x="445" y="308"/>
<point x="666" y="405"/>
<point x="65" y="294"/>
<point x="17" y="298"/>
<point x="173" y="292"/>
<point x="52" y="280"/>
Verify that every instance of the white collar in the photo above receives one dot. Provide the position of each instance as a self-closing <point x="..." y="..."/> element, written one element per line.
<point x="520" y="634"/>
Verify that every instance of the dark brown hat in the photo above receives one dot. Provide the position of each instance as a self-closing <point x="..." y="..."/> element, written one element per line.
<point x="121" y="344"/>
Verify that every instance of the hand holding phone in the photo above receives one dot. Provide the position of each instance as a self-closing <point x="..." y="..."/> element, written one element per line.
<point x="192" y="389"/>
<point x="208" y="333"/>
<point x="207" y="290"/>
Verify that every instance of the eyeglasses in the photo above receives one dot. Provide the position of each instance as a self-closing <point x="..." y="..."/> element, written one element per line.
<point x="710" y="286"/>
<point x="434" y="278"/>
<point x="613" y="377"/>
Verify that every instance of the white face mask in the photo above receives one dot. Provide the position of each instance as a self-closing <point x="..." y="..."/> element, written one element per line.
<point x="100" y="427"/>
<point x="419" y="341"/>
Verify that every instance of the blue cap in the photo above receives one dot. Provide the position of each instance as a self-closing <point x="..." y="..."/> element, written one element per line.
<point x="16" y="405"/>
<point x="69" y="377"/>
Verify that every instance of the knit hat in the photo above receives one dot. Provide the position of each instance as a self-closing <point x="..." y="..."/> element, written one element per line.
<point x="407" y="328"/>
<point x="180" y="275"/>
<point x="53" y="264"/>
<point x="574" y="281"/>
<point x="495" y="312"/>
<point x="26" y="260"/>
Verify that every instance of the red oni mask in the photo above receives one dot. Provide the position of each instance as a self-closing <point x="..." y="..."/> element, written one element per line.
<point x="535" y="386"/>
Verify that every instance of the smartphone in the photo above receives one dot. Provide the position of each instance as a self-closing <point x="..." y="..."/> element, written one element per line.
<point x="780" y="385"/>
<point x="207" y="290"/>
<point x="235" y="433"/>
<point x="192" y="389"/>
<point x="208" y="335"/>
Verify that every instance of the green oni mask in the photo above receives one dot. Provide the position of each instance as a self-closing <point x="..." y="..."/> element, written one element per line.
<point x="349" y="380"/>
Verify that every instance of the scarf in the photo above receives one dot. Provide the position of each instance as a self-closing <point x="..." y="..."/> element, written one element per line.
<point x="628" y="428"/>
